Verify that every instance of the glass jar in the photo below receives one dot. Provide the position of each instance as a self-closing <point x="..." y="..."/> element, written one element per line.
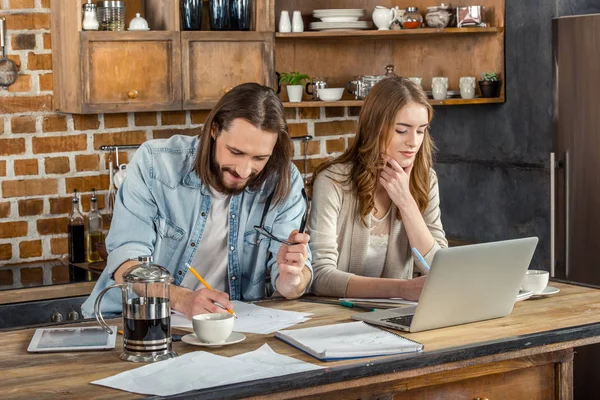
<point x="111" y="15"/>
<point x="368" y="82"/>
<point x="412" y="18"/>
<point x="90" y="19"/>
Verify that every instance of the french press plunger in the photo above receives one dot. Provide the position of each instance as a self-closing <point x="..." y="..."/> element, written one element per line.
<point x="146" y="312"/>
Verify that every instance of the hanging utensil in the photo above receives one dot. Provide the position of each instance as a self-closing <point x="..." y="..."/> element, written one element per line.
<point x="8" y="69"/>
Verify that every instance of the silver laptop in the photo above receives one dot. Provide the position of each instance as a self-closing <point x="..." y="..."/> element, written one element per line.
<point x="465" y="284"/>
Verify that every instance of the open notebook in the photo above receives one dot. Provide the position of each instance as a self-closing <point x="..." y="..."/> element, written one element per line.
<point x="348" y="340"/>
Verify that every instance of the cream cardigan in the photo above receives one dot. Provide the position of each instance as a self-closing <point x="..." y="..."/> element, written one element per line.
<point x="339" y="240"/>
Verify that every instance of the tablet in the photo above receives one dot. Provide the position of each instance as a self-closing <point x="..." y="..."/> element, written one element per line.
<point x="72" y="339"/>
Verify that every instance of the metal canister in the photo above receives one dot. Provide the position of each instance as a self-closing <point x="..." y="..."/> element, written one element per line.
<point x="111" y="15"/>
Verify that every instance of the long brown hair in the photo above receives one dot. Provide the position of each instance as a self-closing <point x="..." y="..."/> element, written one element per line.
<point x="260" y="106"/>
<point x="376" y="123"/>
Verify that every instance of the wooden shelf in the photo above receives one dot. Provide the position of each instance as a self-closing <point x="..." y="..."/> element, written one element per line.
<point x="398" y="34"/>
<point x="359" y="103"/>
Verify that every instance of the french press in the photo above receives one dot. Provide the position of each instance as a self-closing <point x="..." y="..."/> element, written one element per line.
<point x="146" y="312"/>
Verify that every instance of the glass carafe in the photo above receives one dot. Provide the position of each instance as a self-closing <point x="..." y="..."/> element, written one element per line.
<point x="146" y="312"/>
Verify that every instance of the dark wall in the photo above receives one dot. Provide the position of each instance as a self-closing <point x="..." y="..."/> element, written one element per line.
<point x="493" y="160"/>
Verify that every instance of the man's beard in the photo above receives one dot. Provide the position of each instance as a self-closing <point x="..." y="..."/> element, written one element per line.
<point x="221" y="187"/>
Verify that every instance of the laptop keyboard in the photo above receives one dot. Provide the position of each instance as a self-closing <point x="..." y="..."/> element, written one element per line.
<point x="404" y="320"/>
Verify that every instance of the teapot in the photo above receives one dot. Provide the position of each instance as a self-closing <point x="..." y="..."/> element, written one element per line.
<point x="146" y="312"/>
<point x="383" y="17"/>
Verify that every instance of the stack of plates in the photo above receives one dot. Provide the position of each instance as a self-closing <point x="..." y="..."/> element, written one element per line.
<point x="339" y="19"/>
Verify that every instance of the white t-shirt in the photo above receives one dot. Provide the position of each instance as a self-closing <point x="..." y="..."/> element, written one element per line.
<point x="378" y="243"/>
<point x="211" y="257"/>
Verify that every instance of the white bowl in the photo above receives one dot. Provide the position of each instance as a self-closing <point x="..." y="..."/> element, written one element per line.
<point x="330" y="94"/>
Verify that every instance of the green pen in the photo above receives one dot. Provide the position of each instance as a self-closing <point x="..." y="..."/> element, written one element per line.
<point x="350" y="304"/>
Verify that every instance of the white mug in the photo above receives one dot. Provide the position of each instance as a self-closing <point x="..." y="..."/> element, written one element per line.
<point x="535" y="280"/>
<point x="213" y="327"/>
<point x="467" y="87"/>
<point x="439" y="87"/>
<point x="415" y="79"/>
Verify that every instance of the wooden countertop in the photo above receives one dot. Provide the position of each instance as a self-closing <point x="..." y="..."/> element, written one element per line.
<point x="567" y="319"/>
<point x="46" y="292"/>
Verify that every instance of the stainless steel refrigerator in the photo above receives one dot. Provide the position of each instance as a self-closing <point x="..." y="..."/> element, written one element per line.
<point x="575" y="171"/>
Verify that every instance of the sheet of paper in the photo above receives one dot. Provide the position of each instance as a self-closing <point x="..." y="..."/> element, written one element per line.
<point x="189" y="372"/>
<point x="393" y="300"/>
<point x="251" y="319"/>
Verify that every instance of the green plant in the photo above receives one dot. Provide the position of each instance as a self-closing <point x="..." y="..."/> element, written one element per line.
<point x="293" y="78"/>
<point x="489" y="77"/>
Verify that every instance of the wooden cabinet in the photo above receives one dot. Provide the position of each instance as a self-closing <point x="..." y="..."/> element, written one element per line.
<point x="130" y="72"/>
<point x="215" y="63"/>
<point x="169" y="69"/>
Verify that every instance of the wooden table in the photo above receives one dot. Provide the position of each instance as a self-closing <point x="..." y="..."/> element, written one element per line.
<point x="527" y="355"/>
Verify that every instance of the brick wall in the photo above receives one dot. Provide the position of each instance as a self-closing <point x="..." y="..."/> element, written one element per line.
<point x="45" y="155"/>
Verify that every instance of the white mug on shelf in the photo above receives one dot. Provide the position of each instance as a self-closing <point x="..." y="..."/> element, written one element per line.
<point x="297" y="23"/>
<point x="467" y="87"/>
<point x="415" y="79"/>
<point x="285" y="25"/>
<point x="439" y="87"/>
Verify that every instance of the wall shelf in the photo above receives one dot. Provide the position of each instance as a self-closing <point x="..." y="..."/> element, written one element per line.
<point x="398" y="34"/>
<point x="359" y="103"/>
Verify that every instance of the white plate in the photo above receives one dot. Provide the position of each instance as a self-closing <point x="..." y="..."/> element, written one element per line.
<point x="524" y="295"/>
<point x="339" y="11"/>
<point x="339" y="19"/>
<point x="235" y="337"/>
<point x="141" y="30"/>
<point x="549" y="290"/>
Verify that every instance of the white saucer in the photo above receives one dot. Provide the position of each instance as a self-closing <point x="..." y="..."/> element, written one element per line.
<point x="141" y="30"/>
<point x="523" y="295"/>
<point x="235" y="337"/>
<point x="549" y="290"/>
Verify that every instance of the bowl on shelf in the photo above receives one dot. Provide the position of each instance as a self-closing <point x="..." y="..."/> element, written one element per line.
<point x="331" y="94"/>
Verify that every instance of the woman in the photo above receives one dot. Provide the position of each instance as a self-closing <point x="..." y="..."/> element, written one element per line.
<point x="379" y="199"/>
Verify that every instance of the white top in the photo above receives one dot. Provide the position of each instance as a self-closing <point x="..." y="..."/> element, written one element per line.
<point x="211" y="258"/>
<point x="378" y="244"/>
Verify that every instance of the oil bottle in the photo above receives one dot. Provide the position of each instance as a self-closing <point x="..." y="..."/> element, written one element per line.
<point x="76" y="233"/>
<point x="94" y="233"/>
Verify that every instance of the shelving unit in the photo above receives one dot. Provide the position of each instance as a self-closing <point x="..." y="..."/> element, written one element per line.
<point x="170" y="69"/>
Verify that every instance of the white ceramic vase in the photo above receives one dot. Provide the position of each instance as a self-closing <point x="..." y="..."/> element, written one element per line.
<point x="415" y="79"/>
<point x="467" y="87"/>
<point x="297" y="23"/>
<point x="295" y="93"/>
<point x="439" y="87"/>
<point x="285" y="25"/>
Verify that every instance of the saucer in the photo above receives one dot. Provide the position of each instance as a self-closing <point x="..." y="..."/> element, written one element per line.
<point x="547" y="291"/>
<point x="523" y="295"/>
<point x="133" y="30"/>
<point x="235" y="337"/>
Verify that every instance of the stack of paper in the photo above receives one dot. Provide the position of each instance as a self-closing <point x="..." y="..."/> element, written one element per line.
<point x="251" y="319"/>
<point x="190" y="372"/>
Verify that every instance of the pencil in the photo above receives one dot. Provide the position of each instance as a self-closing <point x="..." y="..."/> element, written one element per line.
<point x="206" y="285"/>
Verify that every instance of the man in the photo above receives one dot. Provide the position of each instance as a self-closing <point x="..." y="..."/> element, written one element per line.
<point x="197" y="200"/>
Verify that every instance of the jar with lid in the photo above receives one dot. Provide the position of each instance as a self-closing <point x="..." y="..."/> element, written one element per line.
<point x="368" y="82"/>
<point x="90" y="19"/>
<point x="412" y="18"/>
<point x="111" y="15"/>
<point x="389" y="71"/>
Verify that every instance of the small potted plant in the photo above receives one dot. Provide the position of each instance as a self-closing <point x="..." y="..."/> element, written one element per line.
<point x="294" y="82"/>
<point x="489" y="84"/>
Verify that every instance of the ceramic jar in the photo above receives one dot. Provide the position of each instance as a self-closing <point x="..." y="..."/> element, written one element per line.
<point x="439" y="87"/>
<point x="467" y="87"/>
<point x="415" y="79"/>
<point x="285" y="25"/>
<point x="297" y="23"/>
<point x="438" y="16"/>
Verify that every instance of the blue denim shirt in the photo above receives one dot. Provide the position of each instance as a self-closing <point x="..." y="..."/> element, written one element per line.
<point x="161" y="209"/>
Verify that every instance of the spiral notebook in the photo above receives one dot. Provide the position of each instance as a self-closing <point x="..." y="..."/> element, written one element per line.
<point x="348" y="340"/>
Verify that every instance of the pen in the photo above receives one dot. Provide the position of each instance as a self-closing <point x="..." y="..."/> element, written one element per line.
<point x="421" y="259"/>
<point x="350" y="304"/>
<point x="206" y="285"/>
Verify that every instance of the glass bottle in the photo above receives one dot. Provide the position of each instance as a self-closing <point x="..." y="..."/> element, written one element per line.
<point x="90" y="20"/>
<point x="94" y="233"/>
<point x="412" y="18"/>
<point x="76" y="233"/>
